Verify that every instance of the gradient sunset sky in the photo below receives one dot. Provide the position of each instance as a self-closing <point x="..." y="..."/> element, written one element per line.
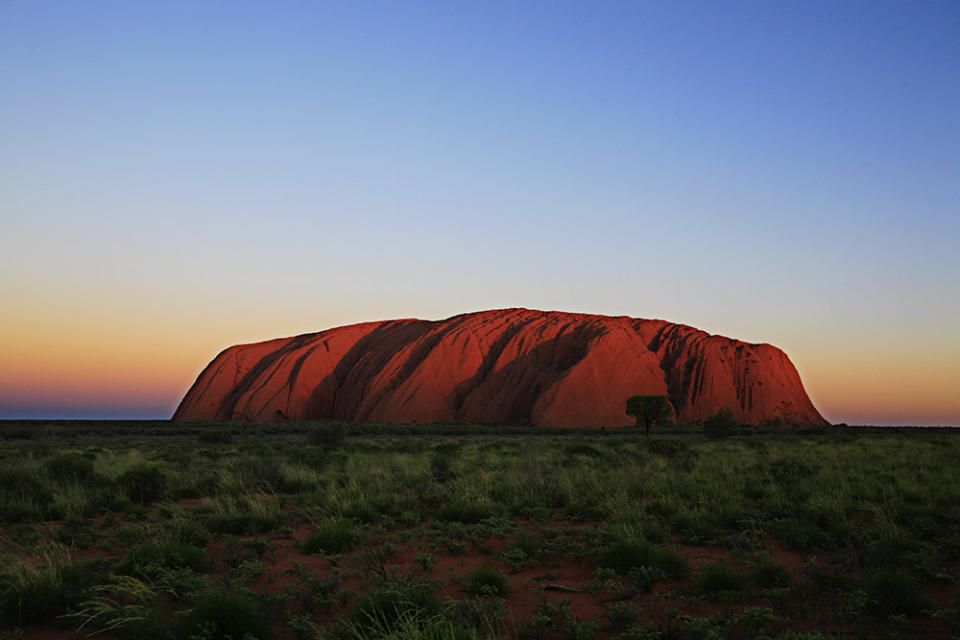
<point x="177" y="177"/>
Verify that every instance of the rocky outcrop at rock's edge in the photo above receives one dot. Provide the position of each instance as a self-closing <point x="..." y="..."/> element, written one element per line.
<point x="509" y="366"/>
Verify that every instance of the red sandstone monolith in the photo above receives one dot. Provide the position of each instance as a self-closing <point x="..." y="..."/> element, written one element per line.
<point x="514" y="366"/>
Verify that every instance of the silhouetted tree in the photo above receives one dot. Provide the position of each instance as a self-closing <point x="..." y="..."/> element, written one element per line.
<point x="649" y="410"/>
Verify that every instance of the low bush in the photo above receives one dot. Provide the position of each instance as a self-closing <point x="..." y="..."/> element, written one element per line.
<point x="530" y="544"/>
<point x="23" y="496"/>
<point x="385" y="607"/>
<point x="71" y="467"/>
<point x="768" y="573"/>
<point x="719" y="578"/>
<point x="149" y="559"/>
<point x="646" y="578"/>
<point x="802" y="535"/>
<point x="143" y="484"/>
<point x="335" y="536"/>
<point x="465" y="511"/>
<point x="33" y="590"/>
<point x="223" y="614"/>
<point x="246" y="515"/>
<point x="582" y="449"/>
<point x="487" y="581"/>
<point x="623" y="615"/>
<point x="722" y="424"/>
<point x="328" y="435"/>
<point x="440" y="469"/>
<point x="624" y="555"/>
<point x="892" y="592"/>
<point x="215" y="436"/>
<point x="129" y="608"/>
<point x="298" y="478"/>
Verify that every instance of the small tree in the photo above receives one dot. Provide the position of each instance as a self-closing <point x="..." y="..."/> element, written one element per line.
<point x="721" y="424"/>
<point x="649" y="410"/>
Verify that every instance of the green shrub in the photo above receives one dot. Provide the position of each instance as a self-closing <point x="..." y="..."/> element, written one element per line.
<point x="383" y="608"/>
<point x="465" y="511"/>
<point x="803" y="535"/>
<point x="215" y="436"/>
<point x="22" y="494"/>
<point x="184" y="531"/>
<point x="440" y="469"/>
<point x="722" y="424"/>
<point x="755" y="622"/>
<point x="71" y="467"/>
<point x="298" y="478"/>
<point x="720" y="578"/>
<point x="18" y="434"/>
<point x="362" y="511"/>
<point x="149" y="559"/>
<point x="582" y="449"/>
<point x="625" y="555"/>
<point x="484" y="615"/>
<point x="487" y="581"/>
<point x="33" y="590"/>
<point x="335" y="536"/>
<point x="127" y="606"/>
<point x="328" y="435"/>
<point x="894" y="591"/>
<point x="143" y="484"/>
<point x="584" y="510"/>
<point x="646" y="578"/>
<point x="768" y="573"/>
<point x="223" y="614"/>
<point x="246" y="515"/>
<point x="623" y="615"/>
<point x="530" y="544"/>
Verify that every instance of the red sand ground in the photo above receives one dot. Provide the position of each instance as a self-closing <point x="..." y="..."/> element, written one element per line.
<point x="668" y="599"/>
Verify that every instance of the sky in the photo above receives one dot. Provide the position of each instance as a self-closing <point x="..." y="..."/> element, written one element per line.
<point x="177" y="177"/>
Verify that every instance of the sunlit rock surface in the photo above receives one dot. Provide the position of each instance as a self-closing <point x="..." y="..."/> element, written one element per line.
<point x="514" y="366"/>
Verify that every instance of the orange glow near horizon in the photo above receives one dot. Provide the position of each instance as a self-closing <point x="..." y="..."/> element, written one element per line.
<point x="125" y="366"/>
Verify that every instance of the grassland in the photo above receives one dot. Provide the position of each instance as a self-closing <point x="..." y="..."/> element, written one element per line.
<point x="333" y="531"/>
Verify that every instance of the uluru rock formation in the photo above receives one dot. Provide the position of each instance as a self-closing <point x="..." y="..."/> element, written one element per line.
<point x="514" y="366"/>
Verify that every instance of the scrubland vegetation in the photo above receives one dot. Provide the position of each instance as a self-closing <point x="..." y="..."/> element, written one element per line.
<point x="333" y="531"/>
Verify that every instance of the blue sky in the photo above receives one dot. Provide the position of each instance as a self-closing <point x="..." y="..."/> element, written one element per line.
<point x="182" y="176"/>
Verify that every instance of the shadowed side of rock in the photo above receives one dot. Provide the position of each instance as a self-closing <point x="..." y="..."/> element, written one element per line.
<point x="513" y="366"/>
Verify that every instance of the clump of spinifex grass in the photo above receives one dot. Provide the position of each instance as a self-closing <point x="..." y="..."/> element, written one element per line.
<point x="246" y="514"/>
<point x="23" y="493"/>
<point x="722" y="581"/>
<point x="624" y="555"/>
<point x="411" y="610"/>
<point x="894" y="591"/>
<point x="465" y="511"/>
<point x="31" y="588"/>
<point x="487" y="581"/>
<point x="38" y="587"/>
<point x="71" y="467"/>
<point x="219" y="612"/>
<point x="336" y="536"/>
<point x="128" y="606"/>
<point x="143" y="484"/>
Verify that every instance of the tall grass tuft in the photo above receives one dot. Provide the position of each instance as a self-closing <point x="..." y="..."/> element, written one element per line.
<point x="245" y="514"/>
<point x="127" y="606"/>
<point x="223" y="613"/>
<point x="31" y="590"/>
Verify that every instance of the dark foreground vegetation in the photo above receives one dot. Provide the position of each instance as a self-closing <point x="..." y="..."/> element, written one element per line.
<point x="158" y="530"/>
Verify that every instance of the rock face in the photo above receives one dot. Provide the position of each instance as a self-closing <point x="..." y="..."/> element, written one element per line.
<point x="513" y="366"/>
